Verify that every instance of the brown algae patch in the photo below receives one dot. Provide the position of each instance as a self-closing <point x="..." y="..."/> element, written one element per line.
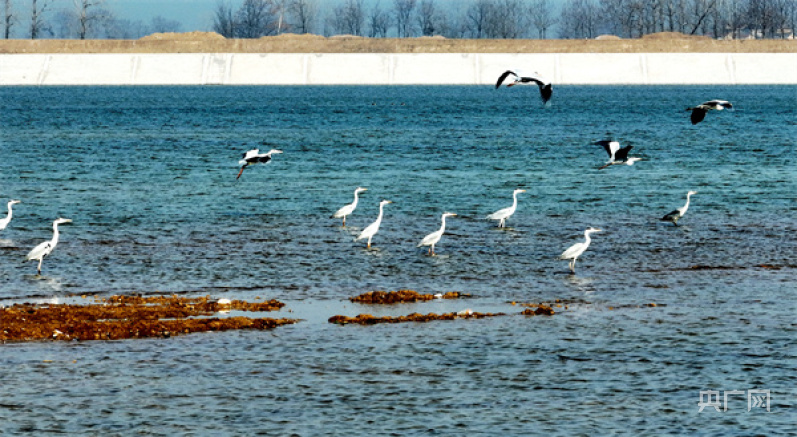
<point x="401" y="296"/>
<point x="368" y="319"/>
<point x="122" y="317"/>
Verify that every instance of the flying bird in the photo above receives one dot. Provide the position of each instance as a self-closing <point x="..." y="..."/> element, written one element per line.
<point x="574" y="251"/>
<point x="699" y="111"/>
<point x="502" y="214"/>
<point x="373" y="228"/>
<point x="617" y="154"/>
<point x="254" y="157"/>
<point x="546" y="89"/>
<point x="348" y="209"/>
<point x="4" y="222"/>
<point x="42" y="250"/>
<point x="432" y="239"/>
<point x="676" y="215"/>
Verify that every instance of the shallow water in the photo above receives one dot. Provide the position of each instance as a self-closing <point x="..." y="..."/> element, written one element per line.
<point x="148" y="176"/>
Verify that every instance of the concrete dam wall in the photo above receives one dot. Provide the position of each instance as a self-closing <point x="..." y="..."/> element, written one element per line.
<point x="394" y="69"/>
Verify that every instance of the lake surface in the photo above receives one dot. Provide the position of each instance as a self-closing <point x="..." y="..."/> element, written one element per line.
<point x="147" y="174"/>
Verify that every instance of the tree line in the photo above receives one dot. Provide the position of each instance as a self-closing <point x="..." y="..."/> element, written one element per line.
<point x="410" y="18"/>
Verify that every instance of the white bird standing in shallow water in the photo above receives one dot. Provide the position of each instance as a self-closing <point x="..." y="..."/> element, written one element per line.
<point x="44" y="249"/>
<point x="432" y="239"/>
<point x="373" y="228"/>
<point x="699" y="111"/>
<point x="676" y="215"/>
<point x="348" y="209"/>
<point x="4" y="222"/>
<point x="546" y="89"/>
<point x="253" y="157"/>
<point x="574" y="251"/>
<point x="502" y="214"/>
<point x="617" y="155"/>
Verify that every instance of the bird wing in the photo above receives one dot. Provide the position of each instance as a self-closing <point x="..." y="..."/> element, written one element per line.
<point x="698" y="114"/>
<point x="622" y="154"/>
<point x="546" y="91"/>
<point x="572" y="251"/>
<point x="369" y="231"/>
<point x="40" y="251"/>
<point x="344" y="211"/>
<point x="606" y="146"/>
<point x="504" y="76"/>
<point x="501" y="213"/>
<point x="672" y="215"/>
<point x="251" y="153"/>
<point x="263" y="159"/>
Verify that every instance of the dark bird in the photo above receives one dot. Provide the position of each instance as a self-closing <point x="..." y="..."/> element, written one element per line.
<point x="617" y="155"/>
<point x="546" y="89"/>
<point x="676" y="215"/>
<point x="699" y="111"/>
<point x="255" y="157"/>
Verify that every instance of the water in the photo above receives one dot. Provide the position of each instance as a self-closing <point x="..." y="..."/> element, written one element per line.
<point x="148" y="176"/>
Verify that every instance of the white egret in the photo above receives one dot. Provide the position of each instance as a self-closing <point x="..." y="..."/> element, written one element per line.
<point x="574" y="251"/>
<point x="348" y="209"/>
<point x="373" y="228"/>
<point x="676" y="215"/>
<point x="45" y="248"/>
<point x="503" y="214"/>
<point x="4" y="222"/>
<point x="254" y="157"/>
<point x="617" y="155"/>
<point x="546" y="89"/>
<point x="432" y="239"/>
<point x="699" y="111"/>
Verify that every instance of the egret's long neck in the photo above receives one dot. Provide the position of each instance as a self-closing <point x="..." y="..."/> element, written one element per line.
<point x="514" y="200"/>
<point x="586" y="237"/>
<point x="686" y="206"/>
<point x="10" y="212"/>
<point x="381" y="211"/>
<point x="443" y="226"/>
<point x="54" y="241"/>
<point x="354" y="204"/>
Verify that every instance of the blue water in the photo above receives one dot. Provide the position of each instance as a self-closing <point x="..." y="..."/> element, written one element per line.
<point x="147" y="174"/>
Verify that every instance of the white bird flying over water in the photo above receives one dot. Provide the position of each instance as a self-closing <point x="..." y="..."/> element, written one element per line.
<point x="517" y="77"/>
<point x="617" y="155"/>
<point x="676" y="215"/>
<point x="348" y="209"/>
<point x="432" y="239"/>
<point x="42" y="250"/>
<point x="574" y="251"/>
<point x="373" y="228"/>
<point x="4" y="222"/>
<point x="699" y="111"/>
<point x="503" y="214"/>
<point x="254" y="157"/>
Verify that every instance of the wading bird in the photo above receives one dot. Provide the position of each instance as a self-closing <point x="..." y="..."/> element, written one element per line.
<point x="502" y="214"/>
<point x="42" y="250"/>
<point x="432" y="239"/>
<point x="4" y="222"/>
<point x="348" y="209"/>
<point x="699" y="111"/>
<point x="373" y="228"/>
<point x="546" y="89"/>
<point x="254" y="157"/>
<point x="574" y="251"/>
<point x="617" y="155"/>
<point x="676" y="215"/>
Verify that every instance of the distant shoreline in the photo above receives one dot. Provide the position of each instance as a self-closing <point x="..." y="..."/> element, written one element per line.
<point x="208" y="42"/>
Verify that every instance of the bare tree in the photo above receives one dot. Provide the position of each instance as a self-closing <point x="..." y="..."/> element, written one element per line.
<point x="542" y="16"/>
<point x="163" y="25"/>
<point x="378" y="22"/>
<point x="476" y="17"/>
<point x="224" y="20"/>
<point x="506" y="19"/>
<point x="37" y="23"/>
<point x="403" y="9"/>
<point x="89" y="12"/>
<point x="348" y="18"/>
<point x="255" y="18"/>
<point x="304" y="14"/>
<point x="427" y="17"/>
<point x="8" y="19"/>
<point x="579" y="19"/>
<point x="114" y="28"/>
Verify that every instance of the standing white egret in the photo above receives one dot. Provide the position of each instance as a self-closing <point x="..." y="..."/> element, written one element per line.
<point x="45" y="248"/>
<point x="676" y="215"/>
<point x="432" y="239"/>
<point x="699" y="111"/>
<point x="4" y="222"/>
<point x="574" y="251"/>
<point x="373" y="228"/>
<point x="348" y="209"/>
<point x="502" y="214"/>
<point x="546" y="89"/>
<point x="253" y="157"/>
<point x="617" y="155"/>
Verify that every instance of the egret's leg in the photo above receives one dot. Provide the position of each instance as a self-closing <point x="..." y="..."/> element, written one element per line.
<point x="369" y="242"/>
<point x="40" y="265"/>
<point x="344" y="220"/>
